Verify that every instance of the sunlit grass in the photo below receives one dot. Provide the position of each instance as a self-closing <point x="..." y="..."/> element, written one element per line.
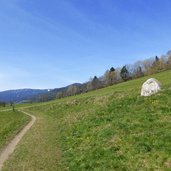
<point x="107" y="129"/>
<point x="10" y="123"/>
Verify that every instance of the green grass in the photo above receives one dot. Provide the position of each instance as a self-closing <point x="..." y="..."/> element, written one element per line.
<point x="10" y="123"/>
<point x="7" y="107"/>
<point x="108" y="129"/>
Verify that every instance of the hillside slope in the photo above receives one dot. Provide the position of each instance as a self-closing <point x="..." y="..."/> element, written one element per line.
<point x="109" y="129"/>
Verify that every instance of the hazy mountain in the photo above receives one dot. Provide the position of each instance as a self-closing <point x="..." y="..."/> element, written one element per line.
<point x="20" y="95"/>
<point x="51" y="95"/>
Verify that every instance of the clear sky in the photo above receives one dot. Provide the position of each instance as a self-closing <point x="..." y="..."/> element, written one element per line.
<point x="53" y="43"/>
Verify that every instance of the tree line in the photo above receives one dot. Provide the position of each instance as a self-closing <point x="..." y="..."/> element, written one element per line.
<point x="118" y="75"/>
<point x="4" y="104"/>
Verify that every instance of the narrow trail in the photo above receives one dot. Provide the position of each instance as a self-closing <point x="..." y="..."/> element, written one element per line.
<point x="9" y="149"/>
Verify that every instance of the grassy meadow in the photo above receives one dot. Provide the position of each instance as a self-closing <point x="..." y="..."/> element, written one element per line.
<point x="10" y="124"/>
<point x="108" y="129"/>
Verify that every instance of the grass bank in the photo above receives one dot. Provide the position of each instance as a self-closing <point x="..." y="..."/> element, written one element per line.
<point x="10" y="123"/>
<point x="108" y="129"/>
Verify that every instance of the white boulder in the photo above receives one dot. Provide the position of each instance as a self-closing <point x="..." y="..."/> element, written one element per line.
<point x="151" y="86"/>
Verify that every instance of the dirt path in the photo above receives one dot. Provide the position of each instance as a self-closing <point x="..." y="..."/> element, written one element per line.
<point x="6" y="151"/>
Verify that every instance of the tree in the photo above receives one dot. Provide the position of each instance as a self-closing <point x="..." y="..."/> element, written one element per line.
<point x="11" y="103"/>
<point x="162" y="63"/>
<point x="13" y="108"/>
<point x="148" y="65"/>
<point x="157" y="59"/>
<point x="138" y="69"/>
<point x="169" y="53"/>
<point x="94" y="84"/>
<point x="72" y="90"/>
<point x="60" y="95"/>
<point x="44" y="98"/>
<point x="124" y="73"/>
<point x="106" y="78"/>
<point x="112" y="69"/>
<point x="110" y="76"/>
<point x="3" y="104"/>
<point x="84" y="88"/>
<point x="117" y="75"/>
<point x="139" y="72"/>
<point x="169" y="62"/>
<point x="155" y="66"/>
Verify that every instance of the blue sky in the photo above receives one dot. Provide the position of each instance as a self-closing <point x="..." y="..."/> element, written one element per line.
<point x="48" y="44"/>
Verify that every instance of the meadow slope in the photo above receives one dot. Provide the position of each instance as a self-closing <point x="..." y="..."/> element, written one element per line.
<point x="10" y="124"/>
<point x="107" y="129"/>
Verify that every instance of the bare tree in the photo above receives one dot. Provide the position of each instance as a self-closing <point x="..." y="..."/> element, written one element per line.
<point x="72" y="90"/>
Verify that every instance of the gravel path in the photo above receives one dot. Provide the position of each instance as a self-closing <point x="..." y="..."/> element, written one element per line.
<point x="8" y="150"/>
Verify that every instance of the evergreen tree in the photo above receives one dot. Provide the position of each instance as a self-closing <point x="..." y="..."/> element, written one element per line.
<point x="124" y="73"/>
<point x="112" y="69"/>
<point x="94" y="84"/>
<point x="157" y="59"/>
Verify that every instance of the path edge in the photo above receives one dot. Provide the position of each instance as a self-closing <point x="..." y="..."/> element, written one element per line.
<point x="11" y="146"/>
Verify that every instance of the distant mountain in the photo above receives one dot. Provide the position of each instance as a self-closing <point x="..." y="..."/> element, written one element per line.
<point x="20" y="95"/>
<point x="51" y="95"/>
<point x="35" y="95"/>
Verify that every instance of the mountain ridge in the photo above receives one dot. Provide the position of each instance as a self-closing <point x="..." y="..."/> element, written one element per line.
<point x="28" y="94"/>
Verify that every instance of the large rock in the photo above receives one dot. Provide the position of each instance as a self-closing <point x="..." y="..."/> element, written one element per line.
<point x="151" y="86"/>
